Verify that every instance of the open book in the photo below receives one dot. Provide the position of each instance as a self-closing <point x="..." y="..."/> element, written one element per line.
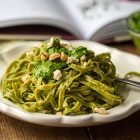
<point x="86" y="19"/>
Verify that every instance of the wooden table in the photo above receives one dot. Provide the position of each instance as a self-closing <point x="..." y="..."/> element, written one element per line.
<point x="126" y="129"/>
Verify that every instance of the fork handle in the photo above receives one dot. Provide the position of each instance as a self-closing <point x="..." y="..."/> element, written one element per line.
<point x="130" y="82"/>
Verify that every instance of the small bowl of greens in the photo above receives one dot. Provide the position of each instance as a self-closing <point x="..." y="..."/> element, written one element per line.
<point x="133" y="26"/>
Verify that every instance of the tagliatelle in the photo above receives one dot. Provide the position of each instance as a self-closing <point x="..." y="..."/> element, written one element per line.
<point x="84" y="85"/>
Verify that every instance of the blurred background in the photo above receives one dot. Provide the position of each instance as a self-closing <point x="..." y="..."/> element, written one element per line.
<point x="41" y="19"/>
<point x="100" y="21"/>
<point x="39" y="30"/>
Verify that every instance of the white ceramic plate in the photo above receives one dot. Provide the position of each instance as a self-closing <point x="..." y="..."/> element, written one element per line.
<point x="124" y="62"/>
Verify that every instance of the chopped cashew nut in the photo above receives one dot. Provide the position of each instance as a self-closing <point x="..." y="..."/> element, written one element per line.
<point x="25" y="77"/>
<point x="63" y="57"/>
<point x="65" y="105"/>
<point x="63" y="44"/>
<point x="102" y="110"/>
<point x="83" y="58"/>
<point x="57" y="75"/>
<point x="50" y="44"/>
<point x="59" y="113"/>
<point x="43" y="57"/>
<point x="54" y="56"/>
<point x="66" y="45"/>
<point x="46" y="54"/>
<point x="72" y="59"/>
<point x="30" y="53"/>
<point x="85" y="64"/>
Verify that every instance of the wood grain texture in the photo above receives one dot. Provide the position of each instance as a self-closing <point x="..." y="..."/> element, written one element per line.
<point x="126" y="129"/>
<point x="12" y="129"/>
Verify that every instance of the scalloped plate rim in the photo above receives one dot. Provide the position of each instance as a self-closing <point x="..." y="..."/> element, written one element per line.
<point x="73" y="121"/>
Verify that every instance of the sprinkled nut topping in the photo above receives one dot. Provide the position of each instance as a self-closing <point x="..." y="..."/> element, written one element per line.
<point x="25" y="77"/>
<point x="63" y="56"/>
<point x="54" y="56"/>
<point x="85" y="64"/>
<point x="30" y="53"/>
<point x="63" y="44"/>
<point x="83" y="58"/>
<point x="46" y="54"/>
<point x="67" y="46"/>
<point x="59" y="113"/>
<point x="72" y="60"/>
<point x="57" y="75"/>
<point x="50" y="44"/>
<point x="43" y="57"/>
<point x="65" y="105"/>
<point x="102" y="110"/>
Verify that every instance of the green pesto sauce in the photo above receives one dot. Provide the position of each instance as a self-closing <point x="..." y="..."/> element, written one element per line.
<point x="45" y="69"/>
<point x="134" y="22"/>
<point x="79" y="52"/>
<point x="56" y="48"/>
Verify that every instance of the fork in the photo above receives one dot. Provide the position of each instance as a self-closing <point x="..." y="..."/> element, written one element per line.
<point x="130" y="82"/>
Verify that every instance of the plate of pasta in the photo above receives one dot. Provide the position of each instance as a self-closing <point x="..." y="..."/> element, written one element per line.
<point x="67" y="84"/>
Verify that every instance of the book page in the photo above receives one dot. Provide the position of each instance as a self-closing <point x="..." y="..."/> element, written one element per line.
<point x="92" y="15"/>
<point x="20" y="12"/>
